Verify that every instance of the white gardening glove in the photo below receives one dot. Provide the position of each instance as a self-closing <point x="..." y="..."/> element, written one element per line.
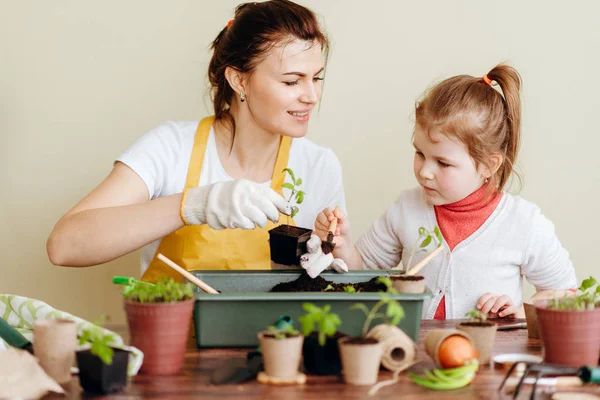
<point x="234" y="204"/>
<point x="315" y="262"/>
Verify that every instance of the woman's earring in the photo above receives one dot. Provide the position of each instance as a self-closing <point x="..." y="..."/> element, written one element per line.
<point x="242" y="97"/>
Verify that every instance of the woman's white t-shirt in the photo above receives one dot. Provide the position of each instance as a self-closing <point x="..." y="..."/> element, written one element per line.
<point x="161" y="158"/>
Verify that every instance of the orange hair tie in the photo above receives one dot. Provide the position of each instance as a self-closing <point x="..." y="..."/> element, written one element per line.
<point x="487" y="80"/>
<point x="229" y="23"/>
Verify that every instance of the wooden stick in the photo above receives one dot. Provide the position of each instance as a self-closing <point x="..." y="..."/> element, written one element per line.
<point x="201" y="284"/>
<point x="414" y="270"/>
<point x="334" y="221"/>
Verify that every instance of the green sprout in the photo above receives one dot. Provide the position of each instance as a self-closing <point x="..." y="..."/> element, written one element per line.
<point x="100" y="342"/>
<point x="349" y="289"/>
<point x="425" y="238"/>
<point x="281" y="333"/>
<point x="587" y="297"/>
<point x="295" y="192"/>
<point x="325" y="321"/>
<point x="388" y="284"/>
<point x="476" y="316"/>
<point x="329" y="288"/>
<point x="166" y="290"/>
<point x="393" y="315"/>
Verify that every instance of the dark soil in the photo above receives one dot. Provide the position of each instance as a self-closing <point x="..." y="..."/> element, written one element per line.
<point x="290" y="230"/>
<point x="407" y="277"/>
<point x="361" y="340"/>
<point x="307" y="284"/>
<point x="337" y="335"/>
<point x="287" y="335"/>
<point x="482" y="324"/>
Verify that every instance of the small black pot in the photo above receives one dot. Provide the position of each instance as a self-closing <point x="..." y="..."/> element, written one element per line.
<point x="322" y="360"/>
<point x="288" y="243"/>
<point x="97" y="377"/>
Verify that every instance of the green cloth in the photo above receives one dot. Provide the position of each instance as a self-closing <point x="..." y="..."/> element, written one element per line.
<point x="21" y="313"/>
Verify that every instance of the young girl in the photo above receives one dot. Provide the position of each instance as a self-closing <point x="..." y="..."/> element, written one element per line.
<point x="466" y="141"/>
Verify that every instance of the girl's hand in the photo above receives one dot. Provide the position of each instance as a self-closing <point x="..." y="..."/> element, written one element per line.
<point x="497" y="306"/>
<point x="342" y="231"/>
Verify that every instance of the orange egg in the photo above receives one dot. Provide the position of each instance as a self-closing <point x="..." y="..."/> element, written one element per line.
<point x="455" y="351"/>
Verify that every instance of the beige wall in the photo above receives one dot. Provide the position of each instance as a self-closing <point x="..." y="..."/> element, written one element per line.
<point x="81" y="80"/>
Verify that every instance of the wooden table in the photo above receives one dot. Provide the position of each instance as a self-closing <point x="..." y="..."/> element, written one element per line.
<point x="194" y="379"/>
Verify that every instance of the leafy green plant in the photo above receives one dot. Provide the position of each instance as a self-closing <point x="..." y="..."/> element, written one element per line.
<point x="586" y="298"/>
<point x="326" y="322"/>
<point x="476" y="316"/>
<point x="100" y="342"/>
<point x="295" y="192"/>
<point x="281" y="333"/>
<point x="165" y="290"/>
<point x="393" y="314"/>
<point x="425" y="238"/>
<point x="329" y="288"/>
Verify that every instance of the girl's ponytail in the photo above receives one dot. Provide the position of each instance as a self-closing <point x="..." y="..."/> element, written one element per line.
<point x="509" y="81"/>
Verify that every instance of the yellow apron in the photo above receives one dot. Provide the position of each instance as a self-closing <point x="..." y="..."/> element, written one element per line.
<point x="199" y="247"/>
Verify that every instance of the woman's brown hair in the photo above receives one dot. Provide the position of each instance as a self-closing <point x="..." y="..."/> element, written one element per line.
<point x="472" y="110"/>
<point x="244" y="42"/>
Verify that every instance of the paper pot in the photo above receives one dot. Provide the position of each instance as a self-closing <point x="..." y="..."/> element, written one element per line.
<point x="533" y="331"/>
<point x="361" y="359"/>
<point x="408" y="283"/>
<point x="54" y="343"/>
<point x="434" y="339"/>
<point x="281" y="357"/>
<point x="483" y="336"/>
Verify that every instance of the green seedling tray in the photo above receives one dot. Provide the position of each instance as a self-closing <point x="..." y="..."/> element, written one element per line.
<point x="245" y="307"/>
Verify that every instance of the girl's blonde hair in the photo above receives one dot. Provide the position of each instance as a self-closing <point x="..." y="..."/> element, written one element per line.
<point x="471" y="110"/>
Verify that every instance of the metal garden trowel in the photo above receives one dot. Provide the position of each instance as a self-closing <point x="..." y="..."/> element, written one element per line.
<point x="238" y="370"/>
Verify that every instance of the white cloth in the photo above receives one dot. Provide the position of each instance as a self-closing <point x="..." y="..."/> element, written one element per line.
<point x="515" y="241"/>
<point x="161" y="158"/>
<point x="315" y="261"/>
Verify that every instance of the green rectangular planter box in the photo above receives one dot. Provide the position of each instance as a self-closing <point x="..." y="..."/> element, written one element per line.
<point x="245" y="305"/>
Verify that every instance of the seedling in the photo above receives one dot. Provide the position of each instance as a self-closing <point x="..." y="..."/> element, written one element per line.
<point x="165" y="290"/>
<point x="295" y="192"/>
<point x="281" y="333"/>
<point x="394" y="312"/>
<point x="388" y="284"/>
<point x="425" y="238"/>
<point x="329" y="288"/>
<point x="476" y="316"/>
<point x="349" y="289"/>
<point x="99" y="340"/>
<point x="587" y="298"/>
<point x="325" y="321"/>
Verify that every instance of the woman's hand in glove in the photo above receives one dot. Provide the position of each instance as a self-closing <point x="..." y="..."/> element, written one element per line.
<point x="233" y="204"/>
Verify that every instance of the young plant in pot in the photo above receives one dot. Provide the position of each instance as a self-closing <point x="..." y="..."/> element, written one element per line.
<point x="159" y="318"/>
<point x="287" y="242"/>
<point x="320" y="350"/>
<point x="102" y="368"/>
<point x="482" y="332"/>
<point x="569" y="326"/>
<point x="361" y="356"/>
<point x="409" y="282"/>
<point x="281" y="352"/>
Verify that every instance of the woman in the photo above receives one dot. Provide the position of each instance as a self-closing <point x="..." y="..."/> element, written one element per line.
<point x="178" y="187"/>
